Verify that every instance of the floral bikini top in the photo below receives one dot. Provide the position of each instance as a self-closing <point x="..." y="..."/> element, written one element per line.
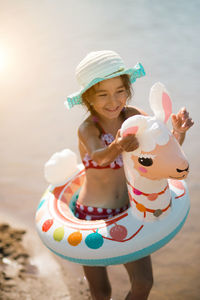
<point x="107" y="139"/>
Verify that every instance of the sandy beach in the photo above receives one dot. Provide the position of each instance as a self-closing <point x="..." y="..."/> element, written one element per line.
<point x="41" y="42"/>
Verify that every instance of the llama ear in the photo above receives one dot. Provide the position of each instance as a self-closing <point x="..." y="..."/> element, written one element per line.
<point x="160" y="102"/>
<point x="130" y="130"/>
<point x="133" y="125"/>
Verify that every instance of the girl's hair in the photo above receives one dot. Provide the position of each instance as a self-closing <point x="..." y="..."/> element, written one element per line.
<point x="91" y="91"/>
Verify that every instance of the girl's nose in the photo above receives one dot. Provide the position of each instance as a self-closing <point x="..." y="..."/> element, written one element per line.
<point x="112" y="98"/>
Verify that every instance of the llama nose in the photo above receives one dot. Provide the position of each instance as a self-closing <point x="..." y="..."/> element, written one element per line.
<point x="184" y="170"/>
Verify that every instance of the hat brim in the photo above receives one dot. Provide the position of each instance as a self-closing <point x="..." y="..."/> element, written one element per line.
<point x="134" y="73"/>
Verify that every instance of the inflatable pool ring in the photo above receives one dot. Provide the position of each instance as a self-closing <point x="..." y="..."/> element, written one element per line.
<point x="159" y="200"/>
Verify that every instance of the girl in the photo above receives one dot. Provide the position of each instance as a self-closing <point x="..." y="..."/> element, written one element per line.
<point x="106" y="88"/>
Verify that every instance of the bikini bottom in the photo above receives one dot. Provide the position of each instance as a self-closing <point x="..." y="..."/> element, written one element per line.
<point x="96" y="213"/>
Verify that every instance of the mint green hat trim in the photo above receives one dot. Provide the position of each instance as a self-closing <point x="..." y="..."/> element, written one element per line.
<point x="134" y="73"/>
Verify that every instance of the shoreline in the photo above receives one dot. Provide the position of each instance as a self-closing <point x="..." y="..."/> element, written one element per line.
<point x="22" y="261"/>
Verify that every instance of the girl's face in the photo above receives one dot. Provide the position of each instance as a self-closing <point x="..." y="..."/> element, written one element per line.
<point x="109" y="98"/>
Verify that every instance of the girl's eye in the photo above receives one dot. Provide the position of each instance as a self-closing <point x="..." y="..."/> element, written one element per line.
<point x="145" y="161"/>
<point x="121" y="91"/>
<point x="102" y="95"/>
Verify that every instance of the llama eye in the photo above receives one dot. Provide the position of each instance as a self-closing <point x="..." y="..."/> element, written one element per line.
<point x="145" y="161"/>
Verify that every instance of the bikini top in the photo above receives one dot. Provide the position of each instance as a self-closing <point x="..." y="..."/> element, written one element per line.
<point x="107" y="139"/>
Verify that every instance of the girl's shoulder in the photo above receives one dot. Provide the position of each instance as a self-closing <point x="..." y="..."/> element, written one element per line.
<point x="87" y="128"/>
<point x="132" y="111"/>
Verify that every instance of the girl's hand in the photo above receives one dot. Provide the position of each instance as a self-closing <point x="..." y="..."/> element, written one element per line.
<point x="181" y="122"/>
<point x="128" y="143"/>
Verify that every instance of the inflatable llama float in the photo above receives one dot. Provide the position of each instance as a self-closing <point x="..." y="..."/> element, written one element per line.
<point x="158" y="158"/>
<point x="159" y="201"/>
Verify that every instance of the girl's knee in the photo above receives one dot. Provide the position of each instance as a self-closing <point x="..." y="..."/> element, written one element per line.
<point x="141" y="275"/>
<point x="142" y="286"/>
<point x="140" y="289"/>
<point x="98" y="282"/>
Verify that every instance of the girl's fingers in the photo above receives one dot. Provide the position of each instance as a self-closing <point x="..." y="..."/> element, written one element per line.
<point x="182" y="121"/>
<point x="174" y="118"/>
<point x="183" y="109"/>
<point x="188" y="123"/>
<point x="118" y="134"/>
<point x="183" y="113"/>
<point x="130" y="144"/>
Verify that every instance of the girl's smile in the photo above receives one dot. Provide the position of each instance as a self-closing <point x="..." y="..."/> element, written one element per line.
<point x="112" y="110"/>
<point x="109" y="98"/>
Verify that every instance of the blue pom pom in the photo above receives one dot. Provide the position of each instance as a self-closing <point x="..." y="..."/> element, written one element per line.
<point x="94" y="240"/>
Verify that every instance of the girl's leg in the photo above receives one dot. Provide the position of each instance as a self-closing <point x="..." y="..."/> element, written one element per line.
<point x="98" y="282"/>
<point x="141" y="278"/>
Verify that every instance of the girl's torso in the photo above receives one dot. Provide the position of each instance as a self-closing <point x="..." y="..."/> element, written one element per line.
<point x="104" y="187"/>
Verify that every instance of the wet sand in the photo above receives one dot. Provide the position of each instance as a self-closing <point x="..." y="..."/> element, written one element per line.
<point x="34" y="123"/>
<point x="27" y="269"/>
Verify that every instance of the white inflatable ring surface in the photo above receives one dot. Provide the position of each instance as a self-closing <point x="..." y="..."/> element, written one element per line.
<point x="117" y="240"/>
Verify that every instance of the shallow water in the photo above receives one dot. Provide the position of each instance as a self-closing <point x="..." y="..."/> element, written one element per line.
<point x="45" y="40"/>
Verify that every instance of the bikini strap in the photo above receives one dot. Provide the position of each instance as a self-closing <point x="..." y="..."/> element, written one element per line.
<point x="99" y="127"/>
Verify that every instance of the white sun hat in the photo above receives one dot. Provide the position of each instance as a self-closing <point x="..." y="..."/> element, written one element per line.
<point x="98" y="66"/>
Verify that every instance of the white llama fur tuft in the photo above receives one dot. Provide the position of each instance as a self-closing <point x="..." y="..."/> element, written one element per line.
<point x="60" y="167"/>
<point x="152" y="132"/>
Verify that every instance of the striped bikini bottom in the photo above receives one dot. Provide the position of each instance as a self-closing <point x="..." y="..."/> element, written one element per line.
<point x="84" y="212"/>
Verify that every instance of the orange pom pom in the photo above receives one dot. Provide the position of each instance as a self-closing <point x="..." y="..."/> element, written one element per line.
<point x="75" y="238"/>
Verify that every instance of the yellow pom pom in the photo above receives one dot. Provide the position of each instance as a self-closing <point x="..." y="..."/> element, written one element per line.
<point x="58" y="234"/>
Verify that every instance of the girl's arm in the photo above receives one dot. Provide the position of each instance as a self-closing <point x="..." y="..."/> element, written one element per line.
<point x="181" y="122"/>
<point x="89" y="137"/>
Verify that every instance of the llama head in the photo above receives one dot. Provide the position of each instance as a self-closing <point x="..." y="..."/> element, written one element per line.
<point x="159" y="155"/>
